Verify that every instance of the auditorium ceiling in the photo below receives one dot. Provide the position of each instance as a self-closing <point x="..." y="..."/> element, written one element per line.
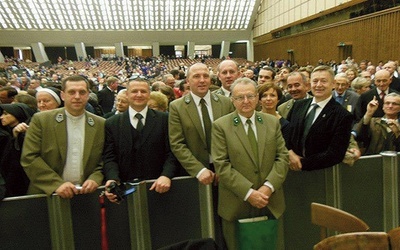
<point x="128" y="21"/>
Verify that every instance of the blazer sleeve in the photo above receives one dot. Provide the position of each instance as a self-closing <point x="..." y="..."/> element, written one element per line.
<point x="171" y="164"/>
<point x="110" y="151"/>
<point x="179" y="144"/>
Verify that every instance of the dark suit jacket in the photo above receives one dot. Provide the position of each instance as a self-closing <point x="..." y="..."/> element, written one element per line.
<point x="106" y="99"/>
<point x="128" y="155"/>
<point x="395" y="84"/>
<point x="363" y="101"/>
<point x="328" y="138"/>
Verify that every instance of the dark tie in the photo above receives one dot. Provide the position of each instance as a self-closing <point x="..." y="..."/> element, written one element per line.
<point x="206" y="123"/>
<point x="308" y="122"/>
<point x="339" y="99"/>
<point x="139" y="125"/>
<point x="252" y="139"/>
<point x="382" y="96"/>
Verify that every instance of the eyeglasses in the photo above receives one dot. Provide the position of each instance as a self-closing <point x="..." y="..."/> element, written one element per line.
<point x="393" y="103"/>
<point x="241" y="98"/>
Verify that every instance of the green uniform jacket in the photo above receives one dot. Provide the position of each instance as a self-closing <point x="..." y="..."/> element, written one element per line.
<point x="238" y="171"/>
<point x="45" y="149"/>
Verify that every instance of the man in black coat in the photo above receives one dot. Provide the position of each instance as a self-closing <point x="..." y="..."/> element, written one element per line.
<point x="106" y="96"/>
<point x="137" y="144"/>
<point x="325" y="142"/>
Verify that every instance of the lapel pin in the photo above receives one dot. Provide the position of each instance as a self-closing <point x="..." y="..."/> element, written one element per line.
<point x="259" y="119"/>
<point x="236" y="121"/>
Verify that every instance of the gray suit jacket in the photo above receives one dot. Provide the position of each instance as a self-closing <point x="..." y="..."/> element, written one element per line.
<point x="237" y="169"/>
<point x="186" y="135"/>
<point x="350" y="100"/>
<point x="45" y="150"/>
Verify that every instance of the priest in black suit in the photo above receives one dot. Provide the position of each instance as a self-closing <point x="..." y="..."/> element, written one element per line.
<point x="319" y="127"/>
<point x="137" y="144"/>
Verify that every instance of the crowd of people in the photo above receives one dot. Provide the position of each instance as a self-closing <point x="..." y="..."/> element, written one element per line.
<point x="240" y="127"/>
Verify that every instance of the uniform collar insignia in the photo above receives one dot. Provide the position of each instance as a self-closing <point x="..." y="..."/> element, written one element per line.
<point x="236" y="121"/>
<point x="259" y="119"/>
<point x="187" y="99"/>
<point x="215" y="97"/>
<point x="60" y="117"/>
<point x="90" y="121"/>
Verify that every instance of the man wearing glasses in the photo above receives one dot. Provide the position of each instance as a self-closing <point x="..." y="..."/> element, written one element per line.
<point x="381" y="133"/>
<point x="251" y="160"/>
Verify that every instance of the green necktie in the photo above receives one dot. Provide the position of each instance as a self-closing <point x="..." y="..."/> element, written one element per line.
<point x="206" y="123"/>
<point x="308" y="122"/>
<point x="252" y="139"/>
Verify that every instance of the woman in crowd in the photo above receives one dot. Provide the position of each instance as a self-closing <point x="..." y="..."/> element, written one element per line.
<point x="158" y="101"/>
<point x="351" y="73"/>
<point x="121" y="104"/>
<point x="361" y="85"/>
<point x="269" y="96"/>
<point x="15" y="118"/>
<point x="49" y="98"/>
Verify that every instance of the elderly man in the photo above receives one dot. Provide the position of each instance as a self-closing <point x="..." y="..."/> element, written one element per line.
<point x="297" y="87"/>
<point x="251" y="160"/>
<point x="227" y="72"/>
<point x="345" y="97"/>
<point x="382" y="82"/>
<point x="381" y="133"/>
<point x="391" y="67"/>
<point x="63" y="147"/>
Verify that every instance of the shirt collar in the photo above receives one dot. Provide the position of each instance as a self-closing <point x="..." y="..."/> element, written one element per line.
<point x="323" y="103"/>
<point x="244" y="119"/>
<point x="133" y="112"/>
<point x="197" y="99"/>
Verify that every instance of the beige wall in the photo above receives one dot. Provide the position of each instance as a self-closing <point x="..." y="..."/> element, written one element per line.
<point x="277" y="13"/>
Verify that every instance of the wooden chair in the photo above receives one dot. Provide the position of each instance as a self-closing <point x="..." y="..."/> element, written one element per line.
<point x="394" y="236"/>
<point x="355" y="241"/>
<point x="328" y="217"/>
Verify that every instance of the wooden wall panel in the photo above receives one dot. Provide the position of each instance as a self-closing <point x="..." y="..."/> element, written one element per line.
<point x="373" y="37"/>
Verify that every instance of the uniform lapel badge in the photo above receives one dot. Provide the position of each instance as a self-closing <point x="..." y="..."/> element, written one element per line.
<point x="90" y="121"/>
<point x="215" y="97"/>
<point x="60" y="117"/>
<point x="236" y="121"/>
<point x="187" y="99"/>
